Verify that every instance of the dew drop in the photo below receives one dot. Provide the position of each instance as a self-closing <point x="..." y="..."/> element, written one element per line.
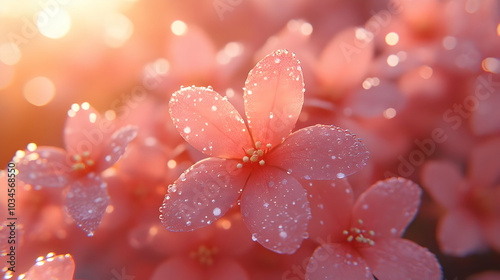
<point x="217" y="211"/>
<point x="307" y="177"/>
<point x="188" y="223"/>
<point x="187" y="130"/>
<point x="271" y="115"/>
<point x="283" y="234"/>
<point x="340" y="175"/>
<point x="254" y="237"/>
<point x="277" y="60"/>
<point x="334" y="157"/>
<point x="214" y="108"/>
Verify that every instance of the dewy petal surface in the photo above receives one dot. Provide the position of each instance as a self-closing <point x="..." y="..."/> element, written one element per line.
<point x="202" y="194"/>
<point x="331" y="203"/>
<point x="275" y="209"/>
<point x="397" y="258"/>
<point x="337" y="261"/>
<point x="83" y="131"/>
<point x="46" y="167"/>
<point x="86" y="202"/>
<point x="444" y="181"/>
<point x="274" y="94"/>
<point x="459" y="234"/>
<point x="60" y="267"/>
<point x="388" y="206"/>
<point x="209" y="122"/>
<point x="320" y="152"/>
<point x="116" y="146"/>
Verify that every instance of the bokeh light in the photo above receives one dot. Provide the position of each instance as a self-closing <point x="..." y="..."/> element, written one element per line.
<point x="178" y="27"/>
<point x="117" y="30"/>
<point x="53" y="24"/>
<point x="10" y="53"/>
<point x="39" y="91"/>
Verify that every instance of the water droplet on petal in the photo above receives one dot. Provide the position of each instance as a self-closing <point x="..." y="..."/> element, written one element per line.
<point x="277" y="60"/>
<point x="254" y="237"/>
<point x="214" y="108"/>
<point x="187" y="129"/>
<point x="283" y="234"/>
<point x="340" y="175"/>
<point x="217" y="211"/>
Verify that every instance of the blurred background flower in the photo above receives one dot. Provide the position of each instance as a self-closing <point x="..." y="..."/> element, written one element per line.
<point x="416" y="80"/>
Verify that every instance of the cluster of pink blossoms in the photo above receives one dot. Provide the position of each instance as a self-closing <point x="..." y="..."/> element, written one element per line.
<point x="377" y="156"/>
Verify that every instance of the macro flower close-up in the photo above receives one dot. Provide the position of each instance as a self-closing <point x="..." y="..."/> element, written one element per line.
<point x="252" y="140"/>
<point x="262" y="162"/>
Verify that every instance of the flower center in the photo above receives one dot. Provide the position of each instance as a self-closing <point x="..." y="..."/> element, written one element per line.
<point x="255" y="154"/>
<point x="204" y="255"/>
<point x="360" y="235"/>
<point x="82" y="162"/>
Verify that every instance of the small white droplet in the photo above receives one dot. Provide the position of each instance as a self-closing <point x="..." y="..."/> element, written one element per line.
<point x="334" y="157"/>
<point x="277" y="60"/>
<point x="340" y="175"/>
<point x="216" y="211"/>
<point x="108" y="158"/>
<point x="254" y="237"/>
<point x="214" y="108"/>
<point x="283" y="234"/>
<point x="187" y="129"/>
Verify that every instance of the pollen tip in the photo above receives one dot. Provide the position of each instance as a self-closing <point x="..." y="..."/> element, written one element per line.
<point x="239" y="165"/>
<point x="262" y="162"/>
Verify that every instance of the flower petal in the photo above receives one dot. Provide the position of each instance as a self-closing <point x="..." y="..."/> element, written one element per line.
<point x="397" y="258"/>
<point x="331" y="203"/>
<point x="84" y="131"/>
<point x="86" y="202"/>
<point x="485" y="163"/>
<point x="46" y="167"/>
<point x="178" y="268"/>
<point x="226" y="269"/>
<point x="444" y="181"/>
<point x="209" y="122"/>
<point x="60" y="267"/>
<point x="342" y="65"/>
<point x="274" y="94"/>
<point x="320" y="152"/>
<point x="459" y="234"/>
<point x="337" y="261"/>
<point x="387" y="207"/>
<point x="115" y="148"/>
<point x="275" y="209"/>
<point x="202" y="194"/>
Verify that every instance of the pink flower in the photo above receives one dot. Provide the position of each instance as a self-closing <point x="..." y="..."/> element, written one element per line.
<point x="91" y="147"/>
<point x="209" y="253"/>
<point x="471" y="203"/>
<point x="365" y="236"/>
<point x="262" y="162"/>
<point x="61" y="267"/>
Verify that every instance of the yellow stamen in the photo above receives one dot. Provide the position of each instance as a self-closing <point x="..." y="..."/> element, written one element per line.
<point x="258" y="144"/>
<point x="254" y="158"/>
